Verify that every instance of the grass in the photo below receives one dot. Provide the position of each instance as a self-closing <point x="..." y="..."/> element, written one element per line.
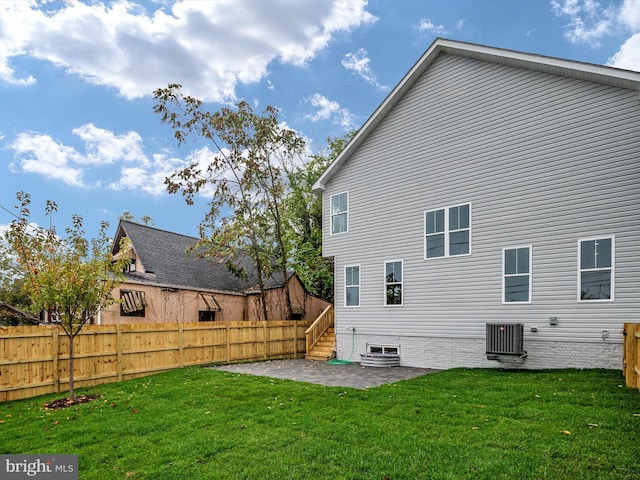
<point x="198" y="423"/>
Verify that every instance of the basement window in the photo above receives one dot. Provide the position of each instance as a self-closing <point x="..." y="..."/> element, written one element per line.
<point x="384" y="349"/>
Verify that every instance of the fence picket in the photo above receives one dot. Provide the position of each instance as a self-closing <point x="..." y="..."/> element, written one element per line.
<point x="110" y="353"/>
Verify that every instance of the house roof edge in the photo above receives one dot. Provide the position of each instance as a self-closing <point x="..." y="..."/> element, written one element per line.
<point x="597" y="73"/>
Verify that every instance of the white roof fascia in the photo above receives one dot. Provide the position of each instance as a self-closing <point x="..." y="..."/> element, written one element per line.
<point x="585" y="71"/>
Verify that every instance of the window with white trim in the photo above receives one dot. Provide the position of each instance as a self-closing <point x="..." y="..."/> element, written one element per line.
<point x="339" y="212"/>
<point x="352" y="286"/>
<point x="393" y="283"/>
<point x="516" y="276"/>
<point x="447" y="231"/>
<point x="383" y="349"/>
<point x="596" y="269"/>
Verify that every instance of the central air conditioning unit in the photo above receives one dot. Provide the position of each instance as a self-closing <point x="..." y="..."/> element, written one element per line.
<point x="505" y="340"/>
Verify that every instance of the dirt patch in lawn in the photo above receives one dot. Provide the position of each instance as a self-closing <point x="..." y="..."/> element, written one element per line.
<point x="67" y="402"/>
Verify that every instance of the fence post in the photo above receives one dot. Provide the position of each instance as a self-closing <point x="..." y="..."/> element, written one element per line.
<point x="228" y="349"/>
<point x="55" y="347"/>
<point x="266" y="343"/>
<point x="635" y="347"/>
<point x="119" y="345"/>
<point x="180" y="344"/>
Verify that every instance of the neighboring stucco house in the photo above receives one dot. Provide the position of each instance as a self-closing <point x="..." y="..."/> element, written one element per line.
<point x="490" y="187"/>
<point x="164" y="283"/>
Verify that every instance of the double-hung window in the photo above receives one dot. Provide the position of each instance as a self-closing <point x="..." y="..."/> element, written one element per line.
<point x="447" y="231"/>
<point x="595" y="275"/>
<point x="339" y="213"/>
<point x="516" y="278"/>
<point x="352" y="286"/>
<point x="393" y="283"/>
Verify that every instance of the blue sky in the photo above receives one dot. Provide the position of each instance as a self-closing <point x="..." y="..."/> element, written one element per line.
<point x="76" y="80"/>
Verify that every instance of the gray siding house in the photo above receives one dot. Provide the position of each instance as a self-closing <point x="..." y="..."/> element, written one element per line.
<point x="490" y="187"/>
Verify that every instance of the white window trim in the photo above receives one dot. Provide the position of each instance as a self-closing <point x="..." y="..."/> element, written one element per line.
<point x="504" y="275"/>
<point x="359" y="286"/>
<point x="613" y="269"/>
<point x="446" y="232"/>
<point x="331" y="214"/>
<point x="384" y="348"/>
<point x="401" y="283"/>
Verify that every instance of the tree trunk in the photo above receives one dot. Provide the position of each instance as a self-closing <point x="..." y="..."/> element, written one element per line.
<point x="72" y="391"/>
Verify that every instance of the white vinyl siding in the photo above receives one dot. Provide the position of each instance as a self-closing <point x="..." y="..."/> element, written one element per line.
<point x="516" y="275"/>
<point x="393" y="283"/>
<point x="339" y="213"/>
<point x="543" y="160"/>
<point x="596" y="269"/>
<point x="352" y="286"/>
<point x="447" y="231"/>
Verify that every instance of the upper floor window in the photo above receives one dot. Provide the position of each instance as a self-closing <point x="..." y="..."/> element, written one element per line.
<point x="352" y="286"/>
<point x="339" y="213"/>
<point x="447" y="231"/>
<point x="596" y="258"/>
<point x="393" y="283"/>
<point x="516" y="280"/>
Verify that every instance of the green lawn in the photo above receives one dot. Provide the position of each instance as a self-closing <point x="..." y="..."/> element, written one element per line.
<point x="198" y="423"/>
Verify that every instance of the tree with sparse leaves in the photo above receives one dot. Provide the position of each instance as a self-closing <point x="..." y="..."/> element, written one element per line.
<point x="304" y="217"/>
<point x="69" y="277"/>
<point x="144" y="220"/>
<point x="246" y="179"/>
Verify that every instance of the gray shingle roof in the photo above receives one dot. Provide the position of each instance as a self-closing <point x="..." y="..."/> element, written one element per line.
<point x="166" y="261"/>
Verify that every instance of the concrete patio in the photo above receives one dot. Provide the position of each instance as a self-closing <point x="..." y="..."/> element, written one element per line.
<point x="324" y="373"/>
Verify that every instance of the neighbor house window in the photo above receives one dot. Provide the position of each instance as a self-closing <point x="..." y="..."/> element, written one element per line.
<point x="447" y="231"/>
<point x="339" y="213"/>
<point x="393" y="283"/>
<point x="206" y="316"/>
<point x="208" y="308"/>
<point x="516" y="279"/>
<point x="596" y="257"/>
<point x="132" y="303"/>
<point x="352" y="286"/>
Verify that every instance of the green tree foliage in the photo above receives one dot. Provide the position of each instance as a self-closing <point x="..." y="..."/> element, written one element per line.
<point x="144" y="220"/>
<point x="13" y="294"/>
<point x="70" y="277"/>
<point x="304" y="216"/>
<point x="245" y="180"/>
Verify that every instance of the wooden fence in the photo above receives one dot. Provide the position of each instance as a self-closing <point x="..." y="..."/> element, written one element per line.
<point x="34" y="360"/>
<point x="631" y="364"/>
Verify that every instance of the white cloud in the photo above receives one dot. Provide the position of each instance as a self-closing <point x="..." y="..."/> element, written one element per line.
<point x="41" y="154"/>
<point x="14" y="38"/>
<point x="628" y="57"/>
<point x="209" y="46"/>
<point x="103" y="146"/>
<point x="588" y="21"/>
<point x="329" y="109"/>
<point x="427" y="26"/>
<point x="358" y="64"/>
<point x="630" y="14"/>
<point x="149" y="177"/>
